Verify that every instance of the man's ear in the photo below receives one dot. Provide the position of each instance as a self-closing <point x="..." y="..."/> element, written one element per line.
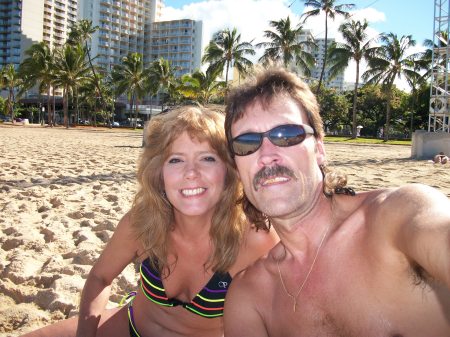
<point x="320" y="152"/>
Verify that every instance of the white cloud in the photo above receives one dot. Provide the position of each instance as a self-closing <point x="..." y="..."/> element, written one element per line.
<point x="251" y="18"/>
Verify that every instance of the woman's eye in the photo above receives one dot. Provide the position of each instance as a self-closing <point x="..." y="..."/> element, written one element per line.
<point x="174" y="160"/>
<point x="209" y="158"/>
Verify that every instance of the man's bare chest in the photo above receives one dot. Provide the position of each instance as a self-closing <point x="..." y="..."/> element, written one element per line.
<point x="359" y="295"/>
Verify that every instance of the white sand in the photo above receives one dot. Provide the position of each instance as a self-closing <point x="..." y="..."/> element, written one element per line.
<point x="63" y="191"/>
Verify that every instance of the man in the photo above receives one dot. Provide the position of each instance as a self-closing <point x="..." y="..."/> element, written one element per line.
<point x="372" y="264"/>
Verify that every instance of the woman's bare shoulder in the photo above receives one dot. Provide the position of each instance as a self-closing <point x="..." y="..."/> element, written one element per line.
<point x="256" y="244"/>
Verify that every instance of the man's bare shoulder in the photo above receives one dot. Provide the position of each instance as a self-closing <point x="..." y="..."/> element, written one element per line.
<point x="407" y="195"/>
<point x="409" y="198"/>
<point x="389" y="211"/>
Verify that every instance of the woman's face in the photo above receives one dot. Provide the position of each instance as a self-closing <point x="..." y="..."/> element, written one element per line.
<point x="194" y="177"/>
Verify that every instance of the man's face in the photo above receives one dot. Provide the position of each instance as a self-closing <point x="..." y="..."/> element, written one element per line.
<point x="282" y="182"/>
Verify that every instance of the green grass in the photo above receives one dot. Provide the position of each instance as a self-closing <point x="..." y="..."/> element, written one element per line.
<point x="361" y="140"/>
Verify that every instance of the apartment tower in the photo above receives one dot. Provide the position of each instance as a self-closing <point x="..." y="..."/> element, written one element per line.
<point x="122" y="27"/>
<point x="25" y="22"/>
<point x="335" y="83"/>
<point x="179" y="41"/>
<point x="127" y="26"/>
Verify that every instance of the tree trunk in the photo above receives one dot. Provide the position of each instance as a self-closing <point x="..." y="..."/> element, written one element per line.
<point x="324" y="56"/>
<point x="49" y="102"/>
<point x="226" y="73"/>
<point x="355" y="95"/>
<point x="11" y="103"/>
<point x="131" y="108"/>
<point x="93" y="72"/>
<point x="54" y="109"/>
<point x="136" y="111"/>
<point x="66" y="108"/>
<point x="388" y="115"/>
<point x="77" y="109"/>
<point x="414" y="93"/>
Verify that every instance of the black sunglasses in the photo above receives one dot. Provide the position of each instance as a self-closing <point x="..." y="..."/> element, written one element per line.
<point x="281" y="135"/>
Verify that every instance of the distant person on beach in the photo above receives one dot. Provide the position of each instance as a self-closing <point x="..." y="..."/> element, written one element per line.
<point x="185" y="230"/>
<point x="440" y="158"/>
<point x="369" y="264"/>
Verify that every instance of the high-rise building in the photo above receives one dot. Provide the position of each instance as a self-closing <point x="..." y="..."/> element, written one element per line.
<point x="335" y="83"/>
<point x="127" y="26"/>
<point x="25" y="22"/>
<point x="305" y="36"/>
<point x="122" y="24"/>
<point x="59" y="17"/>
<point x="178" y="41"/>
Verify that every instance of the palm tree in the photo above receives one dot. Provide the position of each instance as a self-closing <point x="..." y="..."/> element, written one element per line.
<point x="81" y="32"/>
<point x="331" y="10"/>
<point x="71" y="70"/>
<point x="285" y="47"/>
<point x="355" y="47"/>
<point x="201" y="86"/>
<point x="226" y="50"/>
<point x="162" y="80"/>
<point x="131" y="77"/>
<point x="10" y="80"/>
<point x="416" y="80"/>
<point x="387" y="63"/>
<point x="89" y="94"/>
<point x="38" y="69"/>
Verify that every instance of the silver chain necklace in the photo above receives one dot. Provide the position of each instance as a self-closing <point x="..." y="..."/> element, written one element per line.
<point x="294" y="297"/>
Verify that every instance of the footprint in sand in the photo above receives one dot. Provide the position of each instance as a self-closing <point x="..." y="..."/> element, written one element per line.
<point x="111" y="198"/>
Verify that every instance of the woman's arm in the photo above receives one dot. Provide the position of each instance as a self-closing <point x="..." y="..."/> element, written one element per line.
<point x="118" y="253"/>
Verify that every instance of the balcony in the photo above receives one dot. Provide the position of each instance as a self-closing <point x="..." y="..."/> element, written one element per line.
<point x="58" y="16"/>
<point x="59" y="5"/>
<point x="59" y="34"/>
<point x="105" y="10"/>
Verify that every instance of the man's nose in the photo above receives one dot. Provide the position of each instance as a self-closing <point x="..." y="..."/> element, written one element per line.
<point x="268" y="153"/>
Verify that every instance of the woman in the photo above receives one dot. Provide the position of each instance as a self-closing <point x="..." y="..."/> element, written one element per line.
<point x="185" y="229"/>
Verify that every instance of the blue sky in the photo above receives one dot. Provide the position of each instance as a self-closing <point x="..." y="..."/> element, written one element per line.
<point x="402" y="17"/>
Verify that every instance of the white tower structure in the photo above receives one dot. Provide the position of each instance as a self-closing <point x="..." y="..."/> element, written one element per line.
<point x="439" y="112"/>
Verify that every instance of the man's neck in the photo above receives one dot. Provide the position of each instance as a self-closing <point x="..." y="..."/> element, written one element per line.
<point x="305" y="229"/>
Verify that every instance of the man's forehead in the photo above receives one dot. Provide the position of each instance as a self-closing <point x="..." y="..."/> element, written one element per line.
<point x="266" y="114"/>
<point x="275" y="106"/>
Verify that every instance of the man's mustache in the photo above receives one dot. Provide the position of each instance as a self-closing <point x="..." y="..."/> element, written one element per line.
<point x="269" y="172"/>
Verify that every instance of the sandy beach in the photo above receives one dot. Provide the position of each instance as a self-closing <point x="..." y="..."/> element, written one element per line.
<point x="62" y="193"/>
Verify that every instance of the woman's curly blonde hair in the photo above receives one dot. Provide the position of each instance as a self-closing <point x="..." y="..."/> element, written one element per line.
<point x="152" y="214"/>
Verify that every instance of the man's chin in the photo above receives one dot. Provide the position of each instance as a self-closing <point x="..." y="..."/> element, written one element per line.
<point x="275" y="208"/>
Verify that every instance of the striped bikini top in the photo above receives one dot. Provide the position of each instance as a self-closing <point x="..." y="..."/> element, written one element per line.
<point x="207" y="303"/>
